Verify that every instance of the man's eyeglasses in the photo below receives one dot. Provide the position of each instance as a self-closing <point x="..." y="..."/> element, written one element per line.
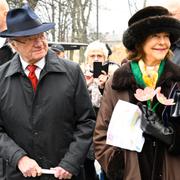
<point x="30" y="39"/>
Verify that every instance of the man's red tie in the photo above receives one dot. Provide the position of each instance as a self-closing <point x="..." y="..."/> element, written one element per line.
<point x="32" y="76"/>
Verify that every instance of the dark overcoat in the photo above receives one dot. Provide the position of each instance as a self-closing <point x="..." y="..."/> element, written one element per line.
<point x="156" y="161"/>
<point x="6" y="54"/>
<point x="54" y="126"/>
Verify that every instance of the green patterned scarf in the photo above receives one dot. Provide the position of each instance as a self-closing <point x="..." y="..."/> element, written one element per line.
<point x="138" y="76"/>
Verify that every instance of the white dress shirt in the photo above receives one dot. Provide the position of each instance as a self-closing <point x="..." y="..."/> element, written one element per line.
<point x="40" y="65"/>
<point x="2" y="42"/>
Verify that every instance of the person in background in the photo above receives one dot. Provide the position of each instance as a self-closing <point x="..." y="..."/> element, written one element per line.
<point x="174" y="7"/>
<point x="6" y="52"/>
<point x="44" y="122"/>
<point x="96" y="52"/>
<point x="59" y="49"/>
<point x="148" y="39"/>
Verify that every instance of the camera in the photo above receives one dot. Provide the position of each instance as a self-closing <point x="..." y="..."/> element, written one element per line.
<point x="98" y="67"/>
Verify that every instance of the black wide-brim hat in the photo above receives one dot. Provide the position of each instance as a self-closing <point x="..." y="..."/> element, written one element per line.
<point x="148" y="21"/>
<point x="24" y="22"/>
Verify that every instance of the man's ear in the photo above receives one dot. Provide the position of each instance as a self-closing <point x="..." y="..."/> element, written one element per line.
<point x="13" y="45"/>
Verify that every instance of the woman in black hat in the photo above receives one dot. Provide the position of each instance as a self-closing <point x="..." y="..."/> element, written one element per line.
<point x="151" y="81"/>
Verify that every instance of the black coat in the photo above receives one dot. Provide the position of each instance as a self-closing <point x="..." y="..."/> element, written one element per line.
<point x="6" y="54"/>
<point x="54" y="126"/>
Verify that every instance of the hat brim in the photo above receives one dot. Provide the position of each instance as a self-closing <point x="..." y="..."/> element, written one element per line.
<point x="139" y="31"/>
<point x="57" y="50"/>
<point x="39" y="29"/>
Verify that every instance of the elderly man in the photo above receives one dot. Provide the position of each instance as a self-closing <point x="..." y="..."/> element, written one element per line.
<point x="46" y="116"/>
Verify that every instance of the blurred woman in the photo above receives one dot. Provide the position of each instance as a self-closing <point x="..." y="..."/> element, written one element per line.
<point x="97" y="71"/>
<point x="96" y="55"/>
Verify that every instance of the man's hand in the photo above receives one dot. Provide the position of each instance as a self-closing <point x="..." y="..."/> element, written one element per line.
<point x="29" y="167"/>
<point x="61" y="173"/>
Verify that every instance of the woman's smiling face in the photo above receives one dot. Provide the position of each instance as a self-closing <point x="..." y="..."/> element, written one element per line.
<point x="156" y="47"/>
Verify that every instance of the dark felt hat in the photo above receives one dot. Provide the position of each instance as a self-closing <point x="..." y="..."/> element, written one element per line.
<point x="57" y="47"/>
<point x="24" y="22"/>
<point x="147" y="21"/>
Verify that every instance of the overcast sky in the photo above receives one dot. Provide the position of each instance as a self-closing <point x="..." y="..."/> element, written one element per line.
<point x="114" y="14"/>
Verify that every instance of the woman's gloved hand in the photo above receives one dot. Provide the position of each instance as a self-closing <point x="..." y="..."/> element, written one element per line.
<point x="151" y="125"/>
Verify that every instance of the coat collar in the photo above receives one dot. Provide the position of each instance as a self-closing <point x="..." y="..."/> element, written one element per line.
<point x="53" y="64"/>
<point x="123" y="78"/>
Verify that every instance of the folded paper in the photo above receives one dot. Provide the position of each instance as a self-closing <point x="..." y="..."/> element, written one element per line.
<point x="124" y="128"/>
